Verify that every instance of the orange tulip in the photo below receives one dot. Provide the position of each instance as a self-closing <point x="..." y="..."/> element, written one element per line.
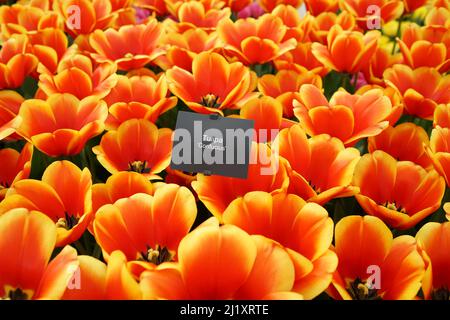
<point x="23" y="19"/>
<point x="63" y="194"/>
<point x="93" y="15"/>
<point x="411" y="5"/>
<point x="439" y="151"/>
<point x="346" y="51"/>
<point x="299" y="58"/>
<point x="255" y="41"/>
<point x="27" y="242"/>
<point x="130" y="47"/>
<point x="433" y="34"/>
<point x="48" y="127"/>
<point x="347" y="117"/>
<point x="157" y="6"/>
<point x="269" y="5"/>
<point x="128" y="15"/>
<point x="138" y="97"/>
<point x="380" y="61"/>
<point x="15" y="166"/>
<point x="267" y="114"/>
<point x="435" y="238"/>
<point x="405" y="142"/>
<point x="426" y="47"/>
<point x="285" y="86"/>
<point x="15" y="62"/>
<point x="363" y="11"/>
<point x="183" y="47"/>
<point x="291" y="19"/>
<point x="137" y="145"/>
<point x="203" y="271"/>
<point x="193" y="15"/>
<point x="146" y="227"/>
<point x="49" y="46"/>
<point x="392" y="94"/>
<point x="77" y="75"/>
<point x="10" y="102"/>
<point x="422" y="88"/>
<point x="366" y="250"/>
<point x="270" y="216"/>
<point x="401" y="193"/>
<point x="174" y="5"/>
<point x="266" y="172"/>
<point x="120" y="282"/>
<point x="441" y="116"/>
<point x="99" y="281"/>
<point x="213" y="85"/>
<point x="319" y="27"/>
<point x="238" y="5"/>
<point x="438" y="17"/>
<point x="316" y="7"/>
<point x="119" y="185"/>
<point x="321" y="168"/>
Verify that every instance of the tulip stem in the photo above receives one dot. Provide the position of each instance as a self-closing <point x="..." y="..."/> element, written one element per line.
<point x="399" y="31"/>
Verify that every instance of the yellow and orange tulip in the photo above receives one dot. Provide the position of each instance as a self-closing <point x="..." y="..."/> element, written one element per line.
<point x="15" y="166"/>
<point x="63" y="194"/>
<point x="130" y="47"/>
<point x="321" y="168"/>
<point x="346" y="51"/>
<point x="46" y="125"/>
<point x="308" y="243"/>
<point x="138" y="97"/>
<point x="213" y="85"/>
<point x="266" y="172"/>
<point x="255" y="41"/>
<point x="402" y="194"/>
<point x="366" y="248"/>
<point x="199" y="276"/>
<point x="434" y="238"/>
<point x="137" y="145"/>
<point x="422" y="89"/>
<point x="285" y="87"/>
<point x="77" y="75"/>
<point x="347" y="117"/>
<point x="405" y="142"/>
<point x="10" y="102"/>
<point x="27" y="242"/>
<point x="146" y="227"/>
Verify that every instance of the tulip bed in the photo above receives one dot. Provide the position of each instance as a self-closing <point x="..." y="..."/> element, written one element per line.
<point x="359" y="92"/>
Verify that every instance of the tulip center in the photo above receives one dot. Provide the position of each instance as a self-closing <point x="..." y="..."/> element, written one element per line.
<point x="441" y="294"/>
<point x="15" y="294"/>
<point x="4" y="184"/>
<point x="68" y="222"/>
<point x="138" y="166"/>
<point x="128" y="55"/>
<point x="210" y="100"/>
<point x="157" y="255"/>
<point x="316" y="188"/>
<point x="394" y="206"/>
<point x="360" y="290"/>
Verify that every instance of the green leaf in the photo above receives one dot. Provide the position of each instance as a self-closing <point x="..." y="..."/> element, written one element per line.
<point x="39" y="163"/>
<point x="28" y="88"/>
